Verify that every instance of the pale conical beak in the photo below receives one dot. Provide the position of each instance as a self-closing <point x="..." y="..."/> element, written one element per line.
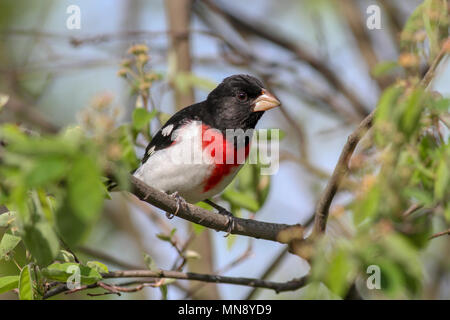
<point x="265" y="101"/>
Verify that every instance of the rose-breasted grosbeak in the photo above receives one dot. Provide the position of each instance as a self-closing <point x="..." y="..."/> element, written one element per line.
<point x="180" y="158"/>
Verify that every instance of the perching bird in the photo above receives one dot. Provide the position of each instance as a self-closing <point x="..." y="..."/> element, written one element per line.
<point x="190" y="156"/>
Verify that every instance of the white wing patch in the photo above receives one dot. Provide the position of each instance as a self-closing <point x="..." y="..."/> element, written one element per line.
<point x="167" y="130"/>
<point x="151" y="151"/>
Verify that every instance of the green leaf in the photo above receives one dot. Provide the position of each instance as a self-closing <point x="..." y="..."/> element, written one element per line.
<point x="46" y="169"/>
<point x="164" y="290"/>
<point x="42" y="242"/>
<point x="340" y="270"/>
<point x="127" y="144"/>
<point x="198" y="229"/>
<point x="412" y="111"/>
<point x="367" y="206"/>
<point x="8" y="283"/>
<point x="383" y="68"/>
<point x="7" y="218"/>
<point x="8" y="243"/>
<point x="447" y="213"/>
<point x="100" y="267"/>
<point x="85" y="189"/>
<point x="25" y="284"/>
<point x="62" y="271"/>
<point x="241" y="200"/>
<point x="441" y="185"/>
<point x="163" y="237"/>
<point x="65" y="256"/>
<point x="150" y="263"/>
<point x="141" y="118"/>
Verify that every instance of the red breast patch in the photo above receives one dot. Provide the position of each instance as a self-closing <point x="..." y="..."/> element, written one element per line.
<point x="217" y="142"/>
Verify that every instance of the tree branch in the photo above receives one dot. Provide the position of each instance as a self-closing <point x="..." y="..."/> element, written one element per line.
<point x="323" y="205"/>
<point x="290" y="285"/>
<point x="246" y="227"/>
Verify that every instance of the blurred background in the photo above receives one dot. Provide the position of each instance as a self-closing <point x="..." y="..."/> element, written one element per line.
<point x="318" y="57"/>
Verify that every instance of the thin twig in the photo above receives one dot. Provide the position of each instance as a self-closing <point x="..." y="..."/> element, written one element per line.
<point x="439" y="234"/>
<point x="291" y="285"/>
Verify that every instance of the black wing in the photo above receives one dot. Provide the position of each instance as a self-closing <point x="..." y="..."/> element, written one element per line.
<point x="163" y="138"/>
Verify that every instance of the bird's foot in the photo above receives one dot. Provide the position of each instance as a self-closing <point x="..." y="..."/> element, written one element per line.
<point x="230" y="223"/>
<point x="180" y="202"/>
<point x="221" y="210"/>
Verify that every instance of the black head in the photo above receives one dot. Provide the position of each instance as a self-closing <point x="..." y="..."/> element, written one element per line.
<point x="239" y="102"/>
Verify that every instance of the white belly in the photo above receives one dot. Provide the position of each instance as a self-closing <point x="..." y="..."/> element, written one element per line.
<point x="175" y="168"/>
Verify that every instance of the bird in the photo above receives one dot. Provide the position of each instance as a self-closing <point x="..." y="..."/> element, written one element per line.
<point x="202" y="147"/>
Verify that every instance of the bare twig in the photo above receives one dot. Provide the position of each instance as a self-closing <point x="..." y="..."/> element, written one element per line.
<point x="290" y="285"/>
<point x="440" y="234"/>
<point x="323" y="205"/>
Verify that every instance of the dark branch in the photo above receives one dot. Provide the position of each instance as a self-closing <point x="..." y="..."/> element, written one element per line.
<point x="290" y="285"/>
<point x="246" y="227"/>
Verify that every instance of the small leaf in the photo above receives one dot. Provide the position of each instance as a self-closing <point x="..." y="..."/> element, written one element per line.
<point x="163" y="289"/>
<point x="191" y="254"/>
<point x="65" y="256"/>
<point x="6" y="219"/>
<point x="8" y="243"/>
<point x="25" y="284"/>
<point x="62" y="271"/>
<point x="198" y="229"/>
<point x="240" y="199"/>
<point x="46" y="169"/>
<point x="8" y="283"/>
<point x="141" y="117"/>
<point x="441" y="184"/>
<point x="383" y="68"/>
<point x="163" y="237"/>
<point x="339" y="272"/>
<point x="100" y="267"/>
<point x="42" y="242"/>
<point x="3" y="100"/>
<point x="150" y="263"/>
<point x="168" y="281"/>
<point x="85" y="189"/>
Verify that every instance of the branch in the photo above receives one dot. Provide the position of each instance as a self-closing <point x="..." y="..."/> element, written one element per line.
<point x="290" y="285"/>
<point x="246" y="227"/>
<point x="339" y="172"/>
<point x="440" y="234"/>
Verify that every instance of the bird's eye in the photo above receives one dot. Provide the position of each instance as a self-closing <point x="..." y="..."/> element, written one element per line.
<point x="242" y="96"/>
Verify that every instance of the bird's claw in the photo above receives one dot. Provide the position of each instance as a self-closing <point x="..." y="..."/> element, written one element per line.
<point x="180" y="201"/>
<point x="230" y="223"/>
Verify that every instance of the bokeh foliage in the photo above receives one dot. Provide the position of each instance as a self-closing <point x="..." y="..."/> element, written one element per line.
<point x="407" y="165"/>
<point x="54" y="186"/>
